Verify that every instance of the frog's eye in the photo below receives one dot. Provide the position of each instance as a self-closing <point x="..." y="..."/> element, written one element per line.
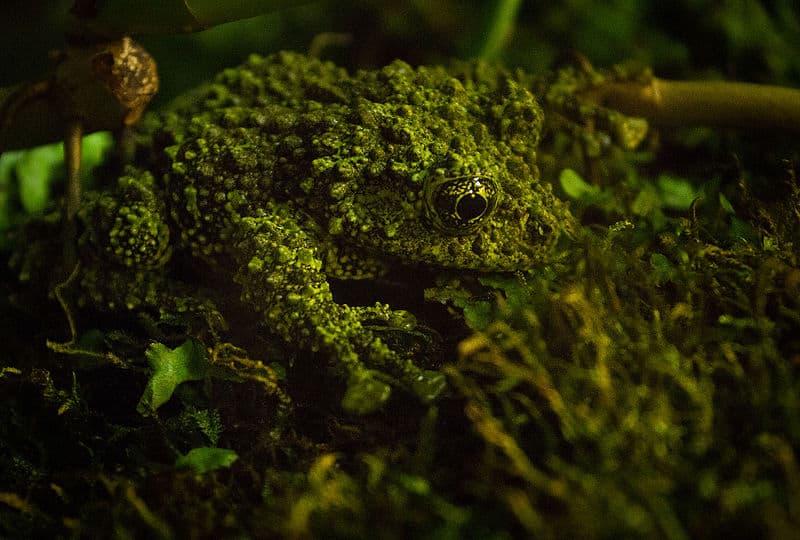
<point x="458" y="205"/>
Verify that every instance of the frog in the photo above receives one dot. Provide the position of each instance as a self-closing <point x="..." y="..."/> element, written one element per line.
<point x="288" y="172"/>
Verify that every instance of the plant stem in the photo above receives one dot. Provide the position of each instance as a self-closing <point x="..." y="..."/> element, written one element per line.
<point x="72" y="195"/>
<point x="713" y="103"/>
<point x="500" y="28"/>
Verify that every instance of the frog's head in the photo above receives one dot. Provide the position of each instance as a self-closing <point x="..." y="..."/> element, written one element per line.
<point x="429" y="168"/>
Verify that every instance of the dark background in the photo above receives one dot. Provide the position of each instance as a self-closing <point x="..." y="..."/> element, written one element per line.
<point x="744" y="40"/>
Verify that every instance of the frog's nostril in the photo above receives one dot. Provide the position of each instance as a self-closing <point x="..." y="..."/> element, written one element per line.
<point x="538" y="231"/>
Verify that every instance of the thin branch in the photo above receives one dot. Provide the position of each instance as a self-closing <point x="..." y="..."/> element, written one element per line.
<point x="712" y="103"/>
<point x="72" y="196"/>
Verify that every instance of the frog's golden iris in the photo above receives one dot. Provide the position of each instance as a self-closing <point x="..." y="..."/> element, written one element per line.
<point x="459" y="205"/>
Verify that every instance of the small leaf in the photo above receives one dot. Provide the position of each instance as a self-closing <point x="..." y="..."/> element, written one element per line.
<point x="206" y="459"/>
<point x="36" y="169"/>
<point x="26" y="176"/>
<point x="574" y="186"/>
<point x="478" y="314"/>
<point x="726" y="204"/>
<point x="647" y="202"/>
<point x="663" y="270"/>
<point x="171" y="367"/>
<point x="676" y="192"/>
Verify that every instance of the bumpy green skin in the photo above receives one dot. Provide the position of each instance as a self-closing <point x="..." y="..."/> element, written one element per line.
<point x="288" y="170"/>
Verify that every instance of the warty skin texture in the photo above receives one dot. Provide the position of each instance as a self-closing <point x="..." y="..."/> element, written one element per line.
<point x="287" y="170"/>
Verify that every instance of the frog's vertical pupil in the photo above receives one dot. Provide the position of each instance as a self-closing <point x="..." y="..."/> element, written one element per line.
<point x="458" y="205"/>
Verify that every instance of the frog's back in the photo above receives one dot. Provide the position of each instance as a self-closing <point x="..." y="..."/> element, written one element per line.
<point x="380" y="160"/>
<point x="218" y="146"/>
<point x="285" y="79"/>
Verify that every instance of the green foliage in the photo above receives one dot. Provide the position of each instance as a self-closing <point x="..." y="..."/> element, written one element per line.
<point x="574" y="186"/>
<point x="500" y="28"/>
<point x="171" y="367"/>
<point x="603" y="393"/>
<point x="209" y="422"/>
<point x="663" y="271"/>
<point x="675" y="193"/>
<point x="35" y="170"/>
<point x="771" y="33"/>
<point x="203" y="460"/>
<point x="362" y="501"/>
<point x="27" y="177"/>
<point x="582" y="192"/>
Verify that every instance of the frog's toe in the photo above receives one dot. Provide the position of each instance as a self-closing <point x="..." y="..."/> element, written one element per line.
<point x="365" y="394"/>
<point x="429" y="385"/>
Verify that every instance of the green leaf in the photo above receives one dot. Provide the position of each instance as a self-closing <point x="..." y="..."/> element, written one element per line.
<point x="206" y="459"/>
<point x="500" y="29"/>
<point x="677" y="193"/>
<point x="171" y="367"/>
<point x="663" y="270"/>
<point x="647" y="202"/>
<point x="36" y="169"/>
<point x="479" y="314"/>
<point x="26" y="176"/>
<point x="94" y="149"/>
<point x="726" y="204"/>
<point x="574" y="186"/>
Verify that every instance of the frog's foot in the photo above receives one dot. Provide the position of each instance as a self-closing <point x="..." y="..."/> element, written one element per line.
<point x="427" y="385"/>
<point x="281" y="277"/>
<point x="124" y="247"/>
<point x="153" y="294"/>
<point x="354" y="346"/>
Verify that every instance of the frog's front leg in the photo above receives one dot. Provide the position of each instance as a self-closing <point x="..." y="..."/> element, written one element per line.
<point x="124" y="247"/>
<point x="281" y="277"/>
